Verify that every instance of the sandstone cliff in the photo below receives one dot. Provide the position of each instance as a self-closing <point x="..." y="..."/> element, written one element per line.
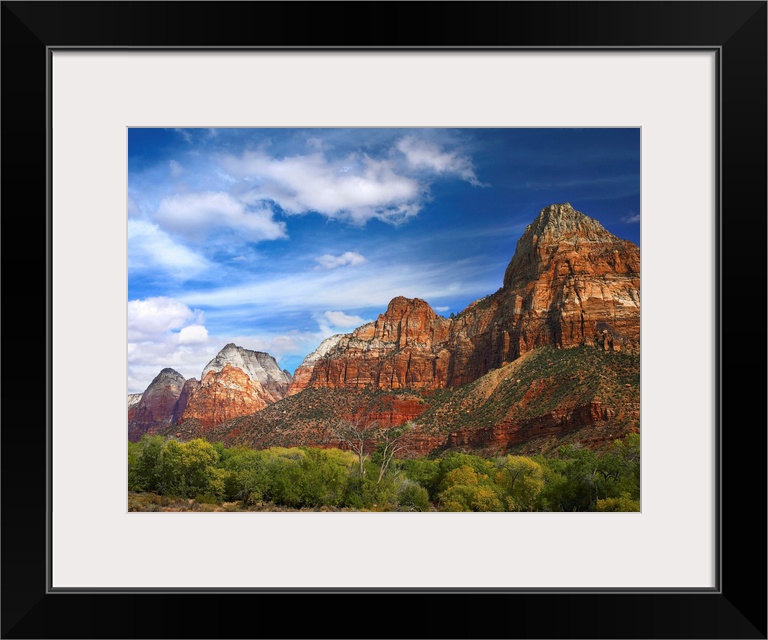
<point x="569" y="283"/>
<point x="237" y="382"/>
<point x="544" y="399"/>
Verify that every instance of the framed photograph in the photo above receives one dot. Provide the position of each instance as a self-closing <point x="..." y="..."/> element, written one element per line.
<point x="98" y="95"/>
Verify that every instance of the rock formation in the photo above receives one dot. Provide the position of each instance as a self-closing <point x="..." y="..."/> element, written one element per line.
<point x="259" y="366"/>
<point x="189" y="388"/>
<point x="237" y="382"/>
<point x="404" y="347"/>
<point x="570" y="283"/>
<point x="155" y="408"/>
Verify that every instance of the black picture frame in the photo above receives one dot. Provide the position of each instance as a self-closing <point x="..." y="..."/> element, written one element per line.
<point x="736" y="608"/>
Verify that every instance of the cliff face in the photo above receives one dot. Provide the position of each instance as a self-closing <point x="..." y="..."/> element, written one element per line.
<point x="155" y="408"/>
<point x="404" y="347"/>
<point x="544" y="399"/>
<point x="187" y="391"/>
<point x="237" y="382"/>
<point x="259" y="366"/>
<point x="570" y="283"/>
<point x="225" y="394"/>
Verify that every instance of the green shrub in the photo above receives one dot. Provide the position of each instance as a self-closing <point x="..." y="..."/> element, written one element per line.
<point x="413" y="497"/>
<point x="623" y="503"/>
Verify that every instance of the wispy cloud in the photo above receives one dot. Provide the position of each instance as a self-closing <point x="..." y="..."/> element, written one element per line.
<point x="194" y="215"/>
<point x="175" y="168"/>
<point x="370" y="286"/>
<point x="421" y="154"/>
<point x="151" y="248"/>
<point x="348" y="258"/>
<point x="631" y="217"/>
<point x="355" y="189"/>
<point x="283" y="236"/>
<point x="185" y="135"/>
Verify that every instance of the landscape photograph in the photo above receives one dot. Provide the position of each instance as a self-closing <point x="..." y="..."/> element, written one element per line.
<point x="415" y="320"/>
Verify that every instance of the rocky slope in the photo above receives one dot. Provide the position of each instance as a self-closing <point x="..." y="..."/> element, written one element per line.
<point x="236" y="382"/>
<point x="155" y="408"/>
<point x="546" y="398"/>
<point x="569" y="283"/>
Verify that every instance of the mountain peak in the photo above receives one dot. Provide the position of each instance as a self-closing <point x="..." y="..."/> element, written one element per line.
<point x="562" y="220"/>
<point x="400" y="304"/>
<point x="168" y="374"/>
<point x="559" y="229"/>
<point x="257" y="364"/>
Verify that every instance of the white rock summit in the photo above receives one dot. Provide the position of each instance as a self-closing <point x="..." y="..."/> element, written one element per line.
<point x="259" y="366"/>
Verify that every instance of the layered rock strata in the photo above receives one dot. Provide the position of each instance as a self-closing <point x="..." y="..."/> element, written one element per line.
<point x="237" y="382"/>
<point x="569" y="283"/>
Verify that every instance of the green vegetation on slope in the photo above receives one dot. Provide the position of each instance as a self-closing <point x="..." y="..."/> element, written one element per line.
<point x="241" y="478"/>
<point x="537" y="383"/>
<point x="299" y="419"/>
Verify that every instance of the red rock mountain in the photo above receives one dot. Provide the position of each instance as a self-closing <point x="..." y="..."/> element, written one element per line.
<point x="155" y="408"/>
<point x="235" y="383"/>
<point x="544" y="399"/>
<point x="570" y="283"/>
<point x="190" y="387"/>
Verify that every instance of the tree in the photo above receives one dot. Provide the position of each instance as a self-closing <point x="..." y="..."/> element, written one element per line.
<point x="358" y="434"/>
<point x="623" y="503"/>
<point x="148" y="469"/>
<point x="392" y="441"/>
<point x="522" y="479"/>
<point x="188" y="469"/>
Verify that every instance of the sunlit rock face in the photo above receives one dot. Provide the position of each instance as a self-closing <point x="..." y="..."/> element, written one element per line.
<point x="237" y="382"/>
<point x="569" y="283"/>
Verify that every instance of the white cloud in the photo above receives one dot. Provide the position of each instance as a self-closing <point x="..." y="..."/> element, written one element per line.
<point x="151" y="318"/>
<point x="332" y="322"/>
<point x="316" y="291"/>
<point x="163" y="332"/>
<point x="355" y="189"/>
<point x="193" y="334"/>
<point x="342" y="320"/>
<point x="348" y="258"/>
<point x="149" y="247"/>
<point x="193" y="215"/>
<point x="631" y="218"/>
<point x="441" y="309"/>
<point x="421" y="154"/>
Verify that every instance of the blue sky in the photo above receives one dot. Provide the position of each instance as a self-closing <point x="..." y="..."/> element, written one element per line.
<point x="278" y="238"/>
